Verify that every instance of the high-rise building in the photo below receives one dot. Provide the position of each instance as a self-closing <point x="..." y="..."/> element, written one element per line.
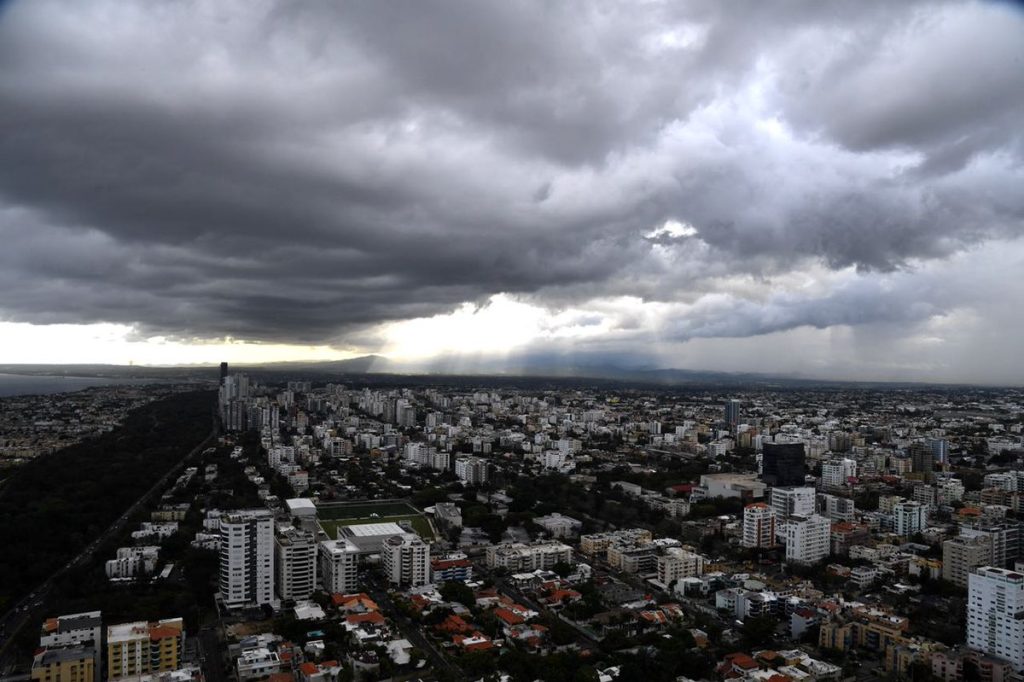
<point x="961" y="555"/>
<point x="732" y="413"/>
<point x="142" y="648"/>
<point x="909" y="518"/>
<point x="782" y="464"/>
<point x="1005" y="538"/>
<point x="406" y="560"/>
<point x="223" y="372"/>
<point x="995" y="609"/>
<point x="807" y="540"/>
<point x="793" y="501"/>
<point x="339" y="566"/>
<point x="247" y="557"/>
<point x="758" y="525"/>
<point x="922" y="460"/>
<point x="296" y="553"/>
<point x="940" y="450"/>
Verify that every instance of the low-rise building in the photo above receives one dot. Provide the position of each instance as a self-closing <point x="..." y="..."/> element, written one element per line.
<point x="518" y="557"/>
<point x="678" y="563"/>
<point x="559" y="526"/>
<point x="66" y="664"/>
<point x="598" y="543"/>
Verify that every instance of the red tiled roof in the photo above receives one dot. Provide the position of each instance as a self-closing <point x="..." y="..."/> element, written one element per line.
<point x="481" y="645"/>
<point x="442" y="564"/>
<point x="741" y="660"/>
<point x="373" y="617"/>
<point x="508" y="617"/>
<point x="454" y="623"/>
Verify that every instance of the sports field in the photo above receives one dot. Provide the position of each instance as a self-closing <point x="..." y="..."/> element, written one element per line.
<point x="356" y="510"/>
<point x="351" y="514"/>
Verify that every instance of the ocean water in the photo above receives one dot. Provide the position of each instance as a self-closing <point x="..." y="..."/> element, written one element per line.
<point x="24" y="384"/>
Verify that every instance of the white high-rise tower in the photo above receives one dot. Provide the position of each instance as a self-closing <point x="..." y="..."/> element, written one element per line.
<point x="247" y="557"/>
<point x="995" y="609"/>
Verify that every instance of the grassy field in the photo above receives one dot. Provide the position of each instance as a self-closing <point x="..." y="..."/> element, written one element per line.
<point x="359" y="510"/>
<point x="419" y="524"/>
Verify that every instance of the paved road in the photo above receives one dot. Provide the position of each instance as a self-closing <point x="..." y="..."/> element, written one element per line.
<point x="210" y="656"/>
<point x="31" y="608"/>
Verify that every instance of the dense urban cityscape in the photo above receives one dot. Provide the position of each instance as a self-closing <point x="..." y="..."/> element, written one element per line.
<point x="332" y="531"/>
<point x="531" y="341"/>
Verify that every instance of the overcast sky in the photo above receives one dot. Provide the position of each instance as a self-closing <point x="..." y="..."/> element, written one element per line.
<point x="824" y="188"/>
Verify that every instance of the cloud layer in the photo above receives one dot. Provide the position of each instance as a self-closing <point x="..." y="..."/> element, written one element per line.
<point x="304" y="172"/>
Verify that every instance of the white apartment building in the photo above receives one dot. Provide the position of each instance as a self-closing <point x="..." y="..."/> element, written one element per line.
<point x="807" y="540"/>
<point x="678" y="563"/>
<point x="72" y="630"/>
<point x="339" y="566"/>
<point x="257" y="663"/>
<point x="247" y="557"/>
<point x="909" y="518"/>
<point x="949" y="491"/>
<point x="835" y="472"/>
<point x="793" y="501"/>
<point x="758" y="525"/>
<point x="995" y="605"/>
<point x="471" y="470"/>
<point x="558" y="460"/>
<point x="519" y="558"/>
<point x="406" y="560"/>
<point x="559" y="526"/>
<point x="296" y="554"/>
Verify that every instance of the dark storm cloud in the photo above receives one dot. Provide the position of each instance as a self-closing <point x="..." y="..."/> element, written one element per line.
<point x="293" y="171"/>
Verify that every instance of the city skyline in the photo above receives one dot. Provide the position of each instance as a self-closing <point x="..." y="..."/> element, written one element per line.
<point x="824" y="190"/>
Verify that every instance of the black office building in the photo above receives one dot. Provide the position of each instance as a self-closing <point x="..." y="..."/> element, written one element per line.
<point x="223" y="372"/>
<point x="782" y="464"/>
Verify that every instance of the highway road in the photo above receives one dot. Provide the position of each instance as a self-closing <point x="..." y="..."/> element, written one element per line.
<point x="32" y="607"/>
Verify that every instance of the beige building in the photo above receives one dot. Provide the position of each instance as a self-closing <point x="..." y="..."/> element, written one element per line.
<point x="598" y="543"/>
<point x="961" y="555"/>
<point x="678" y="563"/>
<point x="140" y="648"/>
<point x="70" y="664"/>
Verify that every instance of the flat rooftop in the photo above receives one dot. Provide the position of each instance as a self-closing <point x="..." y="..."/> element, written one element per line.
<point x="365" y="530"/>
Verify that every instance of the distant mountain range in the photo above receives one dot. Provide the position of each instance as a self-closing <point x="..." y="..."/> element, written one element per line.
<point x="602" y="368"/>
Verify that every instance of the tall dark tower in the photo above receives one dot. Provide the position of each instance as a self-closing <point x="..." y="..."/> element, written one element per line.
<point x="223" y="372"/>
<point x="732" y="414"/>
<point x="782" y="464"/>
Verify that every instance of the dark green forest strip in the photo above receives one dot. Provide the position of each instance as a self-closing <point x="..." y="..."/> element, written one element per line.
<point x="52" y="507"/>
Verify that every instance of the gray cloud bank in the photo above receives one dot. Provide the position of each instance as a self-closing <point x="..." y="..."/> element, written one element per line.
<point x="301" y="171"/>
